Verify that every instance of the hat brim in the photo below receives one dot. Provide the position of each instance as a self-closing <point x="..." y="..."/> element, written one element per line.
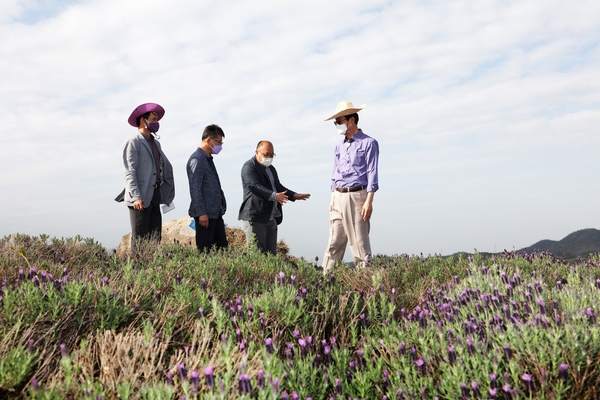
<point x="143" y="109"/>
<point x="347" y="111"/>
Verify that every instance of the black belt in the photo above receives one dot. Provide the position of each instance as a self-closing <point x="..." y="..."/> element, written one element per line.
<point x="350" y="189"/>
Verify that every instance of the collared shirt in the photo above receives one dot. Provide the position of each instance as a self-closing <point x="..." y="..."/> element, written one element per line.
<point x="275" y="212"/>
<point x="355" y="163"/>
<point x="156" y="156"/>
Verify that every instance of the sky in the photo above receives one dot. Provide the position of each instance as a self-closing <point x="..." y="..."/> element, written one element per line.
<point x="486" y="112"/>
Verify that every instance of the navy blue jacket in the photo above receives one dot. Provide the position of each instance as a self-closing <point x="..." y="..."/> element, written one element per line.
<point x="256" y="206"/>
<point x="205" y="187"/>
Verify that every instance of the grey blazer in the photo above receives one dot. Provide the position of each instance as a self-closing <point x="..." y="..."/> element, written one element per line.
<point x="140" y="172"/>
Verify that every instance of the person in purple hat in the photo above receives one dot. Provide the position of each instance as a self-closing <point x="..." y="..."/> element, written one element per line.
<point x="148" y="174"/>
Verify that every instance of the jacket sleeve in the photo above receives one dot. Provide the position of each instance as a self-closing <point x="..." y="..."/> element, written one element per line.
<point x="196" y="173"/>
<point x="130" y="162"/>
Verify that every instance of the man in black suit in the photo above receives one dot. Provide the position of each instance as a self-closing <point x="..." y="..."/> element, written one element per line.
<point x="264" y="195"/>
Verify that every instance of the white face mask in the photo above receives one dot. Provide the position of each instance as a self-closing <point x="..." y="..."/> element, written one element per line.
<point x="267" y="161"/>
<point x="342" y="128"/>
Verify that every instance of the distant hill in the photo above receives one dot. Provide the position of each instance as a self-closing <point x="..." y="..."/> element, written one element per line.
<point x="577" y="244"/>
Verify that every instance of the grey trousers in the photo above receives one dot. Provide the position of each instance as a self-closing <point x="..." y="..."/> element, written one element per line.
<point x="265" y="234"/>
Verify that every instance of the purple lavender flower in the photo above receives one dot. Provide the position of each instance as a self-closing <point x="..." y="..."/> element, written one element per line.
<point x="302" y="344"/>
<point x="475" y="389"/>
<point x="195" y="382"/>
<point x="527" y="378"/>
<point x="30" y="344"/>
<point x="420" y="363"/>
<point x="399" y="395"/>
<point x="562" y="371"/>
<point x="470" y="346"/>
<point x="210" y="379"/>
<point x="493" y="381"/>
<point x="170" y="378"/>
<point x="327" y="353"/>
<point x="591" y="316"/>
<point x="338" y="386"/>
<point x="507" y="391"/>
<point x="493" y="393"/>
<point x="63" y="350"/>
<point x="507" y="351"/>
<point x="203" y="284"/>
<point x="245" y="386"/>
<point x="541" y="306"/>
<point x="295" y="396"/>
<point x="34" y="384"/>
<point x="386" y="379"/>
<point x="402" y="348"/>
<point x="284" y="395"/>
<point x="464" y="390"/>
<point x="261" y="379"/>
<point x="182" y="372"/>
<point x="451" y="355"/>
<point x="269" y="344"/>
<point x="201" y="312"/>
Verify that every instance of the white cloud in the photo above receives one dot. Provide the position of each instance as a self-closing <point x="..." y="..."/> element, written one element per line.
<point x="485" y="111"/>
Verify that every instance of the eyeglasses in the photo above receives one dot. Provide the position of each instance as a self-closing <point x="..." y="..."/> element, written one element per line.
<point x="339" y="123"/>
<point x="215" y="140"/>
<point x="268" y="155"/>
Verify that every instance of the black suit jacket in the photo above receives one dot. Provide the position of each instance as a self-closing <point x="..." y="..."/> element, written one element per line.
<point x="256" y="206"/>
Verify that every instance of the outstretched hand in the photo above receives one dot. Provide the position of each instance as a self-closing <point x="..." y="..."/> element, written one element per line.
<point x="282" y="197"/>
<point x="301" y="196"/>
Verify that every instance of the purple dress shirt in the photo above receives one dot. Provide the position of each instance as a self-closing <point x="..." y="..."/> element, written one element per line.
<point x="355" y="163"/>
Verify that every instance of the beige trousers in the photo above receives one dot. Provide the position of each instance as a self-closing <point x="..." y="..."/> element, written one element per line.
<point x="346" y="226"/>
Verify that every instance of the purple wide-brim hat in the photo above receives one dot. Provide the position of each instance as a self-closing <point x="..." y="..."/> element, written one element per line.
<point x="143" y="109"/>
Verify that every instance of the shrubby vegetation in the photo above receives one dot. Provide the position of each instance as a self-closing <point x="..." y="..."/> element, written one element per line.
<point x="80" y="322"/>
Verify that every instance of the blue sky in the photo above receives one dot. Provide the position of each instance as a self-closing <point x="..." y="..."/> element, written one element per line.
<point x="486" y="112"/>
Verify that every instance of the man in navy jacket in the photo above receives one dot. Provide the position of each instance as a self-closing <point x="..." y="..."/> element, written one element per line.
<point x="264" y="195"/>
<point x="207" y="198"/>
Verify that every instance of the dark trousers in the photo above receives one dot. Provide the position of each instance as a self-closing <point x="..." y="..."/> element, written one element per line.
<point x="266" y="236"/>
<point x="213" y="235"/>
<point x="147" y="223"/>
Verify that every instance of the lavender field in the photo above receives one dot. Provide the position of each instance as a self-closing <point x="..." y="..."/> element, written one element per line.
<point x="170" y="323"/>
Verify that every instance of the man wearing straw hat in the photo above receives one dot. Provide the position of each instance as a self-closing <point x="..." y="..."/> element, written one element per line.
<point x="148" y="174"/>
<point x="353" y="185"/>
